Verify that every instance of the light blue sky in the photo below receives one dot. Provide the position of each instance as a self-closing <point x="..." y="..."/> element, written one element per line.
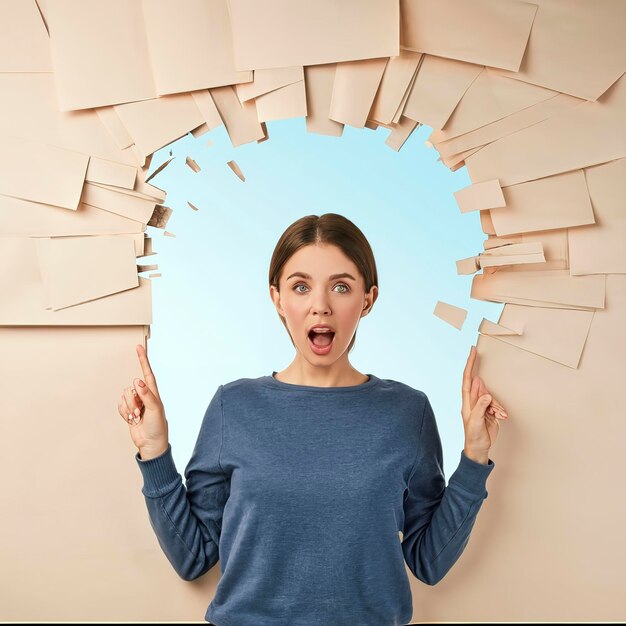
<point x="213" y="319"/>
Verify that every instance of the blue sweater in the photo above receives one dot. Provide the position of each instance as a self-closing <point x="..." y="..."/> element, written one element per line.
<point x="303" y="494"/>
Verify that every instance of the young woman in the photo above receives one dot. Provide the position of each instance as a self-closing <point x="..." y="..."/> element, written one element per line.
<point x="315" y="485"/>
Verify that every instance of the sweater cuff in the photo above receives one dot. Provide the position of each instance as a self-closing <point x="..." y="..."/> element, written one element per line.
<point x="159" y="474"/>
<point x="472" y="475"/>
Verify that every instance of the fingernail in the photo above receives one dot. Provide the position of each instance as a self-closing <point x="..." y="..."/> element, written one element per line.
<point x="140" y="382"/>
<point x="136" y="419"/>
<point x="130" y="417"/>
<point x="137" y="412"/>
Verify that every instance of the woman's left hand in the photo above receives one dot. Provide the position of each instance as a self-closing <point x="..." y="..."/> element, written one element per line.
<point x="481" y="411"/>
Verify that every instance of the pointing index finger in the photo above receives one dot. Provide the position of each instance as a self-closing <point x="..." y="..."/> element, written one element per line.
<point x="143" y="360"/>
<point x="467" y="376"/>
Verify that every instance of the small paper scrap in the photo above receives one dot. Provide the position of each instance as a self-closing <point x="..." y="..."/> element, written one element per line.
<point x="450" y="313"/>
<point x="233" y="166"/>
<point x="192" y="164"/>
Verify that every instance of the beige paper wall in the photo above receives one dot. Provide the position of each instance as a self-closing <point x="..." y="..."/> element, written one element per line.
<point x="75" y="540"/>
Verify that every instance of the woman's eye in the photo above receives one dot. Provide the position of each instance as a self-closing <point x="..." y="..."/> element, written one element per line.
<point x="347" y="289"/>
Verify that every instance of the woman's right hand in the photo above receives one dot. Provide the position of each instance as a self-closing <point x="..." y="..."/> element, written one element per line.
<point x="142" y="409"/>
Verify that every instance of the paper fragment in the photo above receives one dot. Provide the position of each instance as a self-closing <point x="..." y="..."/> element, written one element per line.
<point x="485" y="195"/>
<point x="160" y="168"/>
<point x="451" y="314"/>
<point x="489" y="328"/>
<point x="354" y="90"/>
<point x="401" y="132"/>
<point x="192" y="164"/>
<point x="193" y="206"/>
<point x="319" y="80"/>
<point x="233" y="166"/>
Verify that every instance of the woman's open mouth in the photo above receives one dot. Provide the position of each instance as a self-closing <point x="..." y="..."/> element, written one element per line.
<point x="321" y="343"/>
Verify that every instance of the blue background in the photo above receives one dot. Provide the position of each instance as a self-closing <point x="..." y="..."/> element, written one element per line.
<point x="213" y="318"/>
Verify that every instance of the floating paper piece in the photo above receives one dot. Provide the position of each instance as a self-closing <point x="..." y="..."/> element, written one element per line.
<point x="487" y="32"/>
<point x="192" y="35"/>
<point x="193" y="206"/>
<point x="166" y="233"/>
<point x="354" y="90"/>
<point x="99" y="52"/>
<point x="233" y="166"/>
<point x="192" y="164"/>
<point x="454" y="315"/>
<point x="157" y="275"/>
<point x="305" y="34"/>
<point x="319" y="80"/>
<point x="80" y="269"/>
<point x="485" y="195"/>
<point x="576" y="47"/>
<point x="147" y="268"/>
<point x="160" y="168"/>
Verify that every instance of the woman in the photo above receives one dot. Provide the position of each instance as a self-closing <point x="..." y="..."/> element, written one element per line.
<point x="315" y="485"/>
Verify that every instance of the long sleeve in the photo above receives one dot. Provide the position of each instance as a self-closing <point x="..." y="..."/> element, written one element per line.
<point x="439" y="519"/>
<point x="187" y="519"/>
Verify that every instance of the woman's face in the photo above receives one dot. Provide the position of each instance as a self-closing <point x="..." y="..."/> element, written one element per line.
<point x="311" y="292"/>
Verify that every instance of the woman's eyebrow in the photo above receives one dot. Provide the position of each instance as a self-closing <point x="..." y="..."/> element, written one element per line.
<point x="333" y="277"/>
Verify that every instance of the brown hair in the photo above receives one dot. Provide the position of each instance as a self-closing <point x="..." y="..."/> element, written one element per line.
<point x="332" y="229"/>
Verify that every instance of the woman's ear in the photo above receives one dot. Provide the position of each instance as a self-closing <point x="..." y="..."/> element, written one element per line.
<point x="370" y="298"/>
<point x="275" y="296"/>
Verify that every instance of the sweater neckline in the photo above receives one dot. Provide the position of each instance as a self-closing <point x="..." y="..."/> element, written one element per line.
<point x="271" y="381"/>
